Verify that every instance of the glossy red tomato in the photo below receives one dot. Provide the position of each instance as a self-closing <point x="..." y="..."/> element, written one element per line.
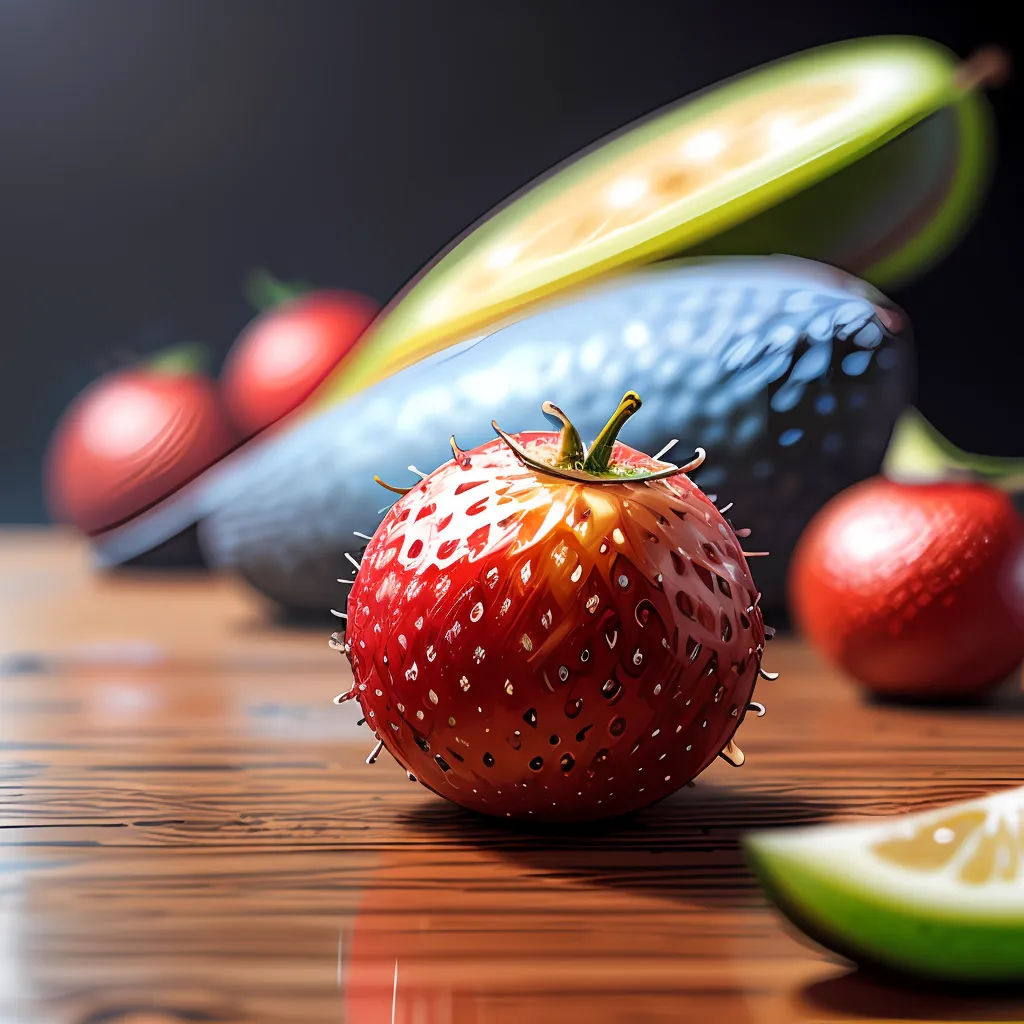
<point x="281" y="358"/>
<point x="914" y="589"/>
<point x="130" y="440"/>
<point x="529" y="643"/>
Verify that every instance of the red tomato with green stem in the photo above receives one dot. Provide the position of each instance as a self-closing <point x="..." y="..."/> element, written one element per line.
<point x="281" y="358"/>
<point x="914" y="589"/>
<point x="132" y="438"/>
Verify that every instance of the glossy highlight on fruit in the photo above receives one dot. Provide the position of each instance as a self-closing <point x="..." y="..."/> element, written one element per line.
<point x="914" y="589"/>
<point x="538" y="630"/>
<point x="938" y="894"/>
<point x="870" y="155"/>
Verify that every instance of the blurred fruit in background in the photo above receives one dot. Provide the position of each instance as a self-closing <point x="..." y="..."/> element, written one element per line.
<point x="782" y="369"/>
<point x="871" y="155"/>
<point x="916" y="589"/>
<point x="141" y="433"/>
<point x="132" y="438"/>
<point x="286" y="352"/>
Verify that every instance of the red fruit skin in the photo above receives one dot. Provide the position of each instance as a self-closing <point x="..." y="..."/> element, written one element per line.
<point x="914" y="589"/>
<point x="281" y="357"/>
<point x="130" y="440"/>
<point x="535" y="648"/>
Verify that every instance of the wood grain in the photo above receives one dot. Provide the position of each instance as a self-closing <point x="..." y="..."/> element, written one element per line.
<point x="188" y="833"/>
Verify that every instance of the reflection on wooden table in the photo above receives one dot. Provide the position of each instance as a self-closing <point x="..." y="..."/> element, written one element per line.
<point x="189" y="833"/>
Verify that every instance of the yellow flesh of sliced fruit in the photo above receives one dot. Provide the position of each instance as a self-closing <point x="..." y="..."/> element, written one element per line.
<point x="979" y="847"/>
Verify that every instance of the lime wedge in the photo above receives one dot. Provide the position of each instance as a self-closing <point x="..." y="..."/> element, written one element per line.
<point x="936" y="894"/>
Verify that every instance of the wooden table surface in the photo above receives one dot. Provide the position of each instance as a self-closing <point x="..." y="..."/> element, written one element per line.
<point x="188" y="833"/>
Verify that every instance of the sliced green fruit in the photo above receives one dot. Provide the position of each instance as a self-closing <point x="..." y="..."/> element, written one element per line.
<point x="917" y="452"/>
<point x="936" y="894"/>
<point x="869" y="155"/>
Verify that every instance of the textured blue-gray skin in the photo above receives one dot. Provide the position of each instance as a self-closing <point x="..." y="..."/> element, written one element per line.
<point x="780" y="368"/>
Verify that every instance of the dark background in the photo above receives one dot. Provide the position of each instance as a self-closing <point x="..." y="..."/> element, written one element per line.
<point x="153" y="151"/>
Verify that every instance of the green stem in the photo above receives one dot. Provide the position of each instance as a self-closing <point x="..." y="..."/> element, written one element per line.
<point x="600" y="454"/>
<point x="264" y="291"/>
<point x="181" y="360"/>
<point x="570" y="453"/>
<point x="919" y="453"/>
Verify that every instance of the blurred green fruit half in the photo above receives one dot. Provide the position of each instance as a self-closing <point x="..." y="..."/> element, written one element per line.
<point x="938" y="894"/>
<point x="870" y="155"/>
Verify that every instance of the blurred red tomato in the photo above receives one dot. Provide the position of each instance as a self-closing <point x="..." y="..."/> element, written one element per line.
<point x="129" y="440"/>
<point x="280" y="359"/>
<point x="914" y="589"/>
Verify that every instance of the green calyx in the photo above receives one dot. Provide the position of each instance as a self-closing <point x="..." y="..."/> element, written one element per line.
<point x="181" y="361"/>
<point x="572" y="461"/>
<point x="918" y="453"/>
<point x="264" y="291"/>
<point x="571" y="452"/>
<point x="599" y="457"/>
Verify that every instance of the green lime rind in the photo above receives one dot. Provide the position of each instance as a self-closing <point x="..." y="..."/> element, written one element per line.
<point x="417" y="323"/>
<point x="918" y="453"/>
<point x="830" y="887"/>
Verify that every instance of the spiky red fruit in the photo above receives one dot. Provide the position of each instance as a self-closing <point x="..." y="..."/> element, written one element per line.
<point x="914" y="589"/>
<point x="528" y="645"/>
